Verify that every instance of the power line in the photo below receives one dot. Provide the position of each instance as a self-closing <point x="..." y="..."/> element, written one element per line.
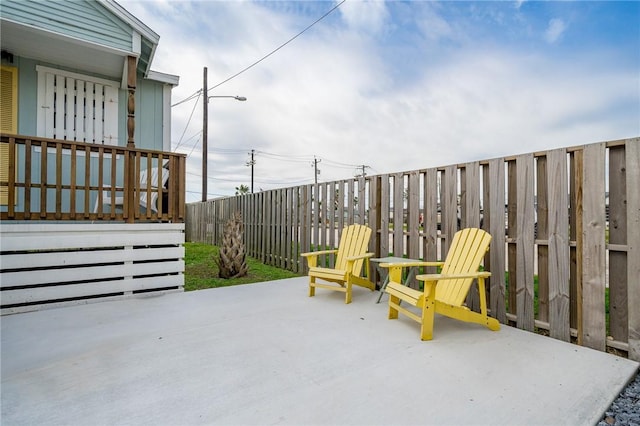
<point x="279" y="47"/>
<point x="187" y="126"/>
<point x="193" y="95"/>
<point x="188" y="98"/>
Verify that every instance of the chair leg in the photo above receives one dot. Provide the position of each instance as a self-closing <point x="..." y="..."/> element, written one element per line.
<point x="393" y="312"/>
<point x="491" y="323"/>
<point x="312" y="288"/>
<point x="428" y="313"/>
<point x="347" y="297"/>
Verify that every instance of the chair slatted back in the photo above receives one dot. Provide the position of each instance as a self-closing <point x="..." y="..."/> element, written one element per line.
<point x="467" y="250"/>
<point x="155" y="189"/>
<point x="354" y="241"/>
<point x="154" y="177"/>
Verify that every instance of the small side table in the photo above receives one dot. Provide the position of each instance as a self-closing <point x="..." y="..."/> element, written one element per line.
<point x="391" y="259"/>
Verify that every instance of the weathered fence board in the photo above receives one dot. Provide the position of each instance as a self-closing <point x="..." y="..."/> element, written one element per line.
<point x="558" y="244"/>
<point x="430" y="218"/>
<point x="524" y="242"/>
<point x="494" y="211"/>
<point x="618" y="271"/>
<point x="398" y="214"/>
<point x="592" y="331"/>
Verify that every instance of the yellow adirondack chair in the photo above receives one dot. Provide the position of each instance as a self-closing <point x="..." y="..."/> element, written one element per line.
<point x="350" y="257"/>
<point x="445" y="292"/>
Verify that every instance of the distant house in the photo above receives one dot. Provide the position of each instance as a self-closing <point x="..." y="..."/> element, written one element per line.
<point x="84" y="120"/>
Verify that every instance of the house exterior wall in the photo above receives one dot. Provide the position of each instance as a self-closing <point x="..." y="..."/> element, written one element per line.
<point x="150" y="130"/>
<point x="88" y="21"/>
<point x="41" y="38"/>
<point x="151" y="97"/>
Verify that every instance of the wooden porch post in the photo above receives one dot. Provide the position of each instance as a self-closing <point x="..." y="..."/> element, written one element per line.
<point x="130" y="178"/>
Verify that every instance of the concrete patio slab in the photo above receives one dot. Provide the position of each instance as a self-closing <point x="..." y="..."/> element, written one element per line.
<point x="268" y="354"/>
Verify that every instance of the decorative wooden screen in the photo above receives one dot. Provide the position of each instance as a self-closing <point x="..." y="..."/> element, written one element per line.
<point x="76" y="107"/>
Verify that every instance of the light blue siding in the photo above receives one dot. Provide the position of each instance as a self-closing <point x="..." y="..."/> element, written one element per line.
<point x="149" y="103"/>
<point x="88" y="21"/>
<point x="27" y="95"/>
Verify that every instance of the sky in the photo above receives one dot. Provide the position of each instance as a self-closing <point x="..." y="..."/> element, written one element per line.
<point x="385" y="87"/>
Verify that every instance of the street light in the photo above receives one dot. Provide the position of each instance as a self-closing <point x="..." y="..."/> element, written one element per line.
<point x="205" y="130"/>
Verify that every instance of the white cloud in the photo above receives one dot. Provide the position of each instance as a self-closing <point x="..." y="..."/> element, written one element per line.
<point x="365" y="16"/>
<point x="334" y="93"/>
<point x="555" y="29"/>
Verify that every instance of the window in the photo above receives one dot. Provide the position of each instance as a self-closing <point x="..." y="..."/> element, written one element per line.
<point x="77" y="107"/>
<point x="8" y="121"/>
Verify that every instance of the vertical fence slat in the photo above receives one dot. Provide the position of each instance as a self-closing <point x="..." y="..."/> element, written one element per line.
<point x="385" y="196"/>
<point x="449" y="206"/>
<point x="413" y="222"/>
<point x="430" y="218"/>
<point x="362" y="200"/>
<point x="592" y="331"/>
<point x="524" y="242"/>
<point x="542" y="238"/>
<point x="333" y="230"/>
<point x="512" y="232"/>
<point x="618" y="272"/>
<point x="470" y="214"/>
<point x="323" y="219"/>
<point x="494" y="213"/>
<point x="558" y="244"/>
<point x="374" y="222"/>
<point x="398" y="214"/>
<point x="575" y="225"/>
<point x="350" y="202"/>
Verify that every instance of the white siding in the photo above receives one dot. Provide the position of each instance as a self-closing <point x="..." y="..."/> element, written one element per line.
<point x="45" y="265"/>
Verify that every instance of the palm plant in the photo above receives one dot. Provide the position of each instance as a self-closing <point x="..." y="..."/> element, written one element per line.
<point x="232" y="258"/>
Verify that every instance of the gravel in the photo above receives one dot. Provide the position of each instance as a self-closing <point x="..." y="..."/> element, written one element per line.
<point x="625" y="410"/>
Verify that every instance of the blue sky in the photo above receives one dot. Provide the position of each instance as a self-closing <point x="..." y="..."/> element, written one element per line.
<point x="393" y="86"/>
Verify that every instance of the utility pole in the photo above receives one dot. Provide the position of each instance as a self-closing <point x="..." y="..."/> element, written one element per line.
<point x="364" y="173"/>
<point x="205" y="131"/>
<point x="315" y="168"/>
<point x="251" y="163"/>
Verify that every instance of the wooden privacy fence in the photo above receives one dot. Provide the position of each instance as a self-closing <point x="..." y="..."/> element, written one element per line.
<point x="565" y="255"/>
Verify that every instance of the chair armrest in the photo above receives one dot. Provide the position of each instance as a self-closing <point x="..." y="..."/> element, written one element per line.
<point x="317" y="253"/>
<point x="312" y="257"/>
<point x="439" y="277"/>
<point x="362" y="256"/>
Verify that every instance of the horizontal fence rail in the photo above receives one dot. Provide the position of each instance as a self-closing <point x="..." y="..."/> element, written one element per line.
<point x="565" y="256"/>
<point x="51" y="179"/>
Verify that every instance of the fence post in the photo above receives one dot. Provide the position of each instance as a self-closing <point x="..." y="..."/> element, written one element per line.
<point x="633" y="242"/>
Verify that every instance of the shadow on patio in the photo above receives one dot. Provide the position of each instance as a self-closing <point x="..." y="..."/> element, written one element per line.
<point x="268" y="354"/>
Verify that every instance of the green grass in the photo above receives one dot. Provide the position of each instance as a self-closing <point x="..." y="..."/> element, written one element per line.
<point x="201" y="271"/>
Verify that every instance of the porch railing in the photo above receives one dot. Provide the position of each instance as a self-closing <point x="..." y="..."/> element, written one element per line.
<point x="51" y="179"/>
